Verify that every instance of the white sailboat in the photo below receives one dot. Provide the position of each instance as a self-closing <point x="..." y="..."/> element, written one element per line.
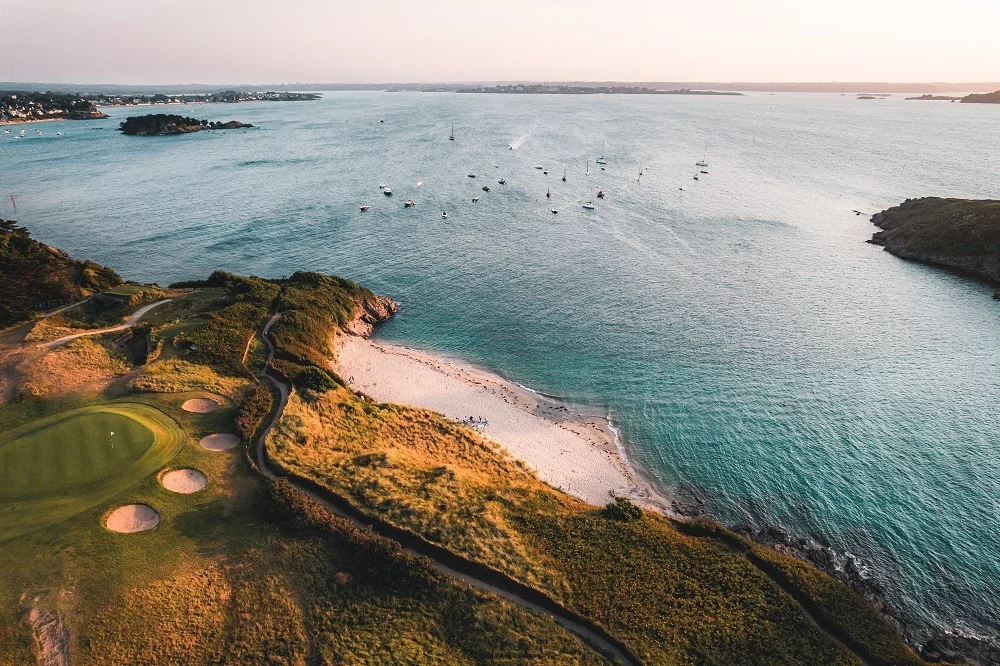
<point x="601" y="160"/>
<point x="452" y="137"/>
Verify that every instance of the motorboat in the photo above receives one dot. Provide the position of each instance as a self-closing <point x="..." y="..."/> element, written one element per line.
<point x="444" y="215"/>
<point x="410" y="203"/>
<point x="472" y="175"/>
<point x="502" y="181"/>
<point x="475" y="199"/>
<point x="600" y="195"/>
<point x="555" y="211"/>
<point x="486" y="188"/>
<point x="387" y="192"/>
<point x="365" y="208"/>
<point x="589" y="205"/>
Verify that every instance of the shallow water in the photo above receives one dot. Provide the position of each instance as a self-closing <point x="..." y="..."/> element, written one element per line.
<point x="744" y="337"/>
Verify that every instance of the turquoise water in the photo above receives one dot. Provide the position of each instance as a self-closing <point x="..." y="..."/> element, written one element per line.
<point x="743" y="336"/>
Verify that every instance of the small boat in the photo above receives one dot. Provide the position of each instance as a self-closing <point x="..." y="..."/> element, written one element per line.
<point x="702" y="163"/>
<point x="452" y="137"/>
<point x="564" y="175"/>
<point x="472" y="175"/>
<point x="365" y="208"/>
<point x="502" y="181"/>
<point x="475" y="199"/>
<point x="600" y="194"/>
<point x="703" y="171"/>
<point x="696" y="175"/>
<point x="381" y="186"/>
<point x="548" y="194"/>
<point x="444" y="215"/>
<point x="545" y="172"/>
<point x="601" y="160"/>
<point x="539" y="167"/>
<point x="486" y="188"/>
<point x="387" y="192"/>
<point x="589" y="205"/>
<point x="410" y="203"/>
<point x="496" y="166"/>
<point x="554" y="211"/>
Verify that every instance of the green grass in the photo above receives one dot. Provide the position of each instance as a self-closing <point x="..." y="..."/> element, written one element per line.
<point x="64" y="464"/>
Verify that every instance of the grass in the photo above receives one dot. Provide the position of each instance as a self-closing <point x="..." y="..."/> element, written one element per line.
<point x="244" y="571"/>
<point x="64" y="464"/>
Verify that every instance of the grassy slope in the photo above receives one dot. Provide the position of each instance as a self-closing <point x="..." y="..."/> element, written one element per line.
<point x="32" y="274"/>
<point x="956" y="233"/>
<point x="673" y="597"/>
<point x="244" y="571"/>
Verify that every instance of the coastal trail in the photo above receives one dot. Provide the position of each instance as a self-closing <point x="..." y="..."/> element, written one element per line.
<point x="129" y="323"/>
<point x="604" y="644"/>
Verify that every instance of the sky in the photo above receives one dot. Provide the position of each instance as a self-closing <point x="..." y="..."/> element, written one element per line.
<point x="248" y="41"/>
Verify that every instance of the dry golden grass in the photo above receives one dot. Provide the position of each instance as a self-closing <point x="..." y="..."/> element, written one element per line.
<point x="77" y="365"/>
<point x="173" y="375"/>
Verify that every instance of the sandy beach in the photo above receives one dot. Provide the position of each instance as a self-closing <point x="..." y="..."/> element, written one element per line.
<point x="567" y="449"/>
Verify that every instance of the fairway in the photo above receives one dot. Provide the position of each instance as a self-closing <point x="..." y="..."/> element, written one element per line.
<point x="57" y="467"/>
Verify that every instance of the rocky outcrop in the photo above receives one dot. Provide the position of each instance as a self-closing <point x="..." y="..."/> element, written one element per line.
<point x="957" y="648"/>
<point x="959" y="234"/>
<point x="50" y="634"/>
<point x="371" y="312"/>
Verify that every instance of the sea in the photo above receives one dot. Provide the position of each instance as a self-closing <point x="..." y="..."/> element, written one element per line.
<point x="737" y="329"/>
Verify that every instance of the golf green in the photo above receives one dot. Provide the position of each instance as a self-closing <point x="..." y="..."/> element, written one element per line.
<point x="59" y="466"/>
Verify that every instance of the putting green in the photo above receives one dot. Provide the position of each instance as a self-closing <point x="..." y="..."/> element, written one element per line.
<point x="59" y="466"/>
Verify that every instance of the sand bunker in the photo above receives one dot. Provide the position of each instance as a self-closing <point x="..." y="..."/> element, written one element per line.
<point x="200" y="405"/>
<point x="184" y="481"/>
<point x="132" y="518"/>
<point x="219" y="442"/>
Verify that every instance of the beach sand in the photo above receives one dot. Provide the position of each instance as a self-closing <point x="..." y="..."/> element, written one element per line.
<point x="567" y="449"/>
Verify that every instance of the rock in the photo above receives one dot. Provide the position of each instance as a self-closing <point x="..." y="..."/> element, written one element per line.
<point x="957" y="648"/>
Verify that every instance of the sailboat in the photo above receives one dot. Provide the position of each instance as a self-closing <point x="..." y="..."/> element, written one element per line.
<point x="588" y="167"/>
<point x="703" y="163"/>
<point x="601" y="160"/>
<point x="452" y="137"/>
<point x="564" y="175"/>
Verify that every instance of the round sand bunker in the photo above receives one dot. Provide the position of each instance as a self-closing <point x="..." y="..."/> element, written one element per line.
<point x="132" y="518"/>
<point x="219" y="442"/>
<point x="184" y="481"/>
<point x="200" y="405"/>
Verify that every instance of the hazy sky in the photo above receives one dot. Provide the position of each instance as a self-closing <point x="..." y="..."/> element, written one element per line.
<point x="247" y="41"/>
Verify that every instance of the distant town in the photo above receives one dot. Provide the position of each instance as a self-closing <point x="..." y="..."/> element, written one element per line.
<point x="20" y="106"/>
<point x="542" y="89"/>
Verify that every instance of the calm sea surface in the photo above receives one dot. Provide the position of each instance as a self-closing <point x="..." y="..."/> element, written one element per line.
<point x="743" y="335"/>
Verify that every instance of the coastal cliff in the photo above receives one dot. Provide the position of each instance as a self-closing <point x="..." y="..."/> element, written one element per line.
<point x="960" y="234"/>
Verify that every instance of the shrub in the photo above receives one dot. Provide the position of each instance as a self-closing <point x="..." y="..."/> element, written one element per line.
<point x="623" y="510"/>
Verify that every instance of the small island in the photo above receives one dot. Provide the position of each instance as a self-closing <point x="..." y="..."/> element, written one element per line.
<point x="974" y="98"/>
<point x="959" y="234"/>
<point x="161" y="124"/>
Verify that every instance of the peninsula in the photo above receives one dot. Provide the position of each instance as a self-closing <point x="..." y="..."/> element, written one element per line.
<point x="158" y="124"/>
<point x="542" y="89"/>
<point x="959" y="234"/>
<point x="265" y="508"/>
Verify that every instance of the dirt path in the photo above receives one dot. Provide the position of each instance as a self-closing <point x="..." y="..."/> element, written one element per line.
<point x="129" y="323"/>
<point x="586" y="634"/>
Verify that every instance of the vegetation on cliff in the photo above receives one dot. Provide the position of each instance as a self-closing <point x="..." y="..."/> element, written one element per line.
<point x="961" y="234"/>
<point x="36" y="277"/>
<point x="670" y="593"/>
<point x="983" y="98"/>
<point x="164" y="123"/>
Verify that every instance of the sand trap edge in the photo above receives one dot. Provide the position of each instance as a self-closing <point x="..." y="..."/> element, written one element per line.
<point x="220" y="441"/>
<point x="200" y="405"/>
<point x="131" y="518"/>
<point x="183" y="480"/>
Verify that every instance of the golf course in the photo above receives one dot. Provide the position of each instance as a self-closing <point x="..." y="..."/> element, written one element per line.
<point x="59" y="466"/>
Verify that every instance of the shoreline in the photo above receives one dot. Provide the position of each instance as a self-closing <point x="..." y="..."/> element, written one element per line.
<point x="574" y="451"/>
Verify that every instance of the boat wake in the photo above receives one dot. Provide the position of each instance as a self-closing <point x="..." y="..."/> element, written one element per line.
<point x="518" y="142"/>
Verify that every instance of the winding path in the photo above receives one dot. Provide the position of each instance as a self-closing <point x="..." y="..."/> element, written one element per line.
<point x="129" y="323"/>
<point x="586" y="634"/>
